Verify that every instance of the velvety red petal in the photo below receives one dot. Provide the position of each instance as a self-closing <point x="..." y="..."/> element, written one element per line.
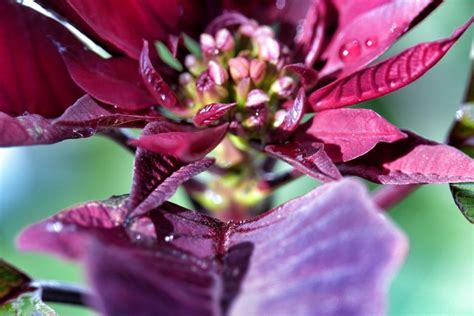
<point x="114" y="81"/>
<point x="384" y="77"/>
<point x="125" y="23"/>
<point x="366" y="31"/>
<point x="349" y="133"/>
<point x="184" y="142"/>
<point x="33" y="77"/>
<point x="410" y="161"/>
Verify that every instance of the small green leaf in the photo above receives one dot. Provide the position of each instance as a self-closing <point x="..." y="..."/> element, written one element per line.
<point x="463" y="194"/>
<point x="193" y="46"/>
<point x="29" y="303"/>
<point x="167" y="57"/>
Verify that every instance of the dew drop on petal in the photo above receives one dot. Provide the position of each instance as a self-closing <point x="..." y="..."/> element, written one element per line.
<point x="371" y="42"/>
<point x="350" y="51"/>
<point x="169" y="238"/>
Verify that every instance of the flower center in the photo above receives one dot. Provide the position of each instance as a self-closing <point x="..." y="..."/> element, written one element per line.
<point x="244" y="68"/>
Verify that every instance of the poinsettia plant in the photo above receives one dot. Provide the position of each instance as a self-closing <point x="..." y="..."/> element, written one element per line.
<point x="222" y="91"/>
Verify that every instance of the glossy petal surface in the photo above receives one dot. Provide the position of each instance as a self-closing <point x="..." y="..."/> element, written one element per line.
<point x="349" y="133"/>
<point x="114" y="81"/>
<point x="384" y="77"/>
<point x="33" y="77"/>
<point x="184" y="142"/>
<point x="155" y="83"/>
<point x="410" y="161"/>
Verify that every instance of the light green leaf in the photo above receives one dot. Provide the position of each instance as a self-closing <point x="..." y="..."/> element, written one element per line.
<point x="167" y="57"/>
<point x="193" y="46"/>
<point x="28" y="303"/>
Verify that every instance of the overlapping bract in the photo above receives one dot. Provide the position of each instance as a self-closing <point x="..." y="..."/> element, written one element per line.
<point x="311" y="254"/>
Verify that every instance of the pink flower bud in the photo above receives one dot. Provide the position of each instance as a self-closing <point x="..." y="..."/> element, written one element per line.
<point x="248" y="29"/>
<point x="256" y="97"/>
<point x="268" y="49"/>
<point x="257" y="70"/>
<point x="217" y="73"/>
<point x="208" y="44"/>
<point x="239" y="68"/>
<point x="190" y="61"/>
<point x="242" y="90"/>
<point x="185" y="78"/>
<point x="224" y="40"/>
<point x="284" y="86"/>
<point x="279" y="117"/>
<point x="264" y="31"/>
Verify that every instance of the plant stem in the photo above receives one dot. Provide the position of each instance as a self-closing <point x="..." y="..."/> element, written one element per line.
<point x="119" y="136"/>
<point x="273" y="181"/>
<point x="59" y="292"/>
<point x="388" y="196"/>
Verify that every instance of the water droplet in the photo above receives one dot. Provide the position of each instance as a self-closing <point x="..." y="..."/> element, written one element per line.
<point x="169" y="238"/>
<point x="393" y="27"/>
<point x="280" y="4"/>
<point x="55" y="227"/>
<point x="350" y="50"/>
<point x="371" y="42"/>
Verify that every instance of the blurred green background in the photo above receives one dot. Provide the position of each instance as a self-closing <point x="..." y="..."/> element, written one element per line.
<point x="438" y="275"/>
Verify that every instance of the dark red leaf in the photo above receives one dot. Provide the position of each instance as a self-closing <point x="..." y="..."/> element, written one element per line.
<point x="292" y="118"/>
<point x="115" y="81"/>
<point x="160" y="90"/>
<point x="67" y="13"/>
<point x="307" y="75"/>
<point x="33" y="77"/>
<point x="82" y="119"/>
<point x="212" y="113"/>
<point x="349" y="133"/>
<point x="125" y="23"/>
<point x="194" y="264"/>
<point x="412" y="160"/>
<point x="186" y="143"/>
<point x="226" y="20"/>
<point x="385" y="77"/>
<point x="307" y="157"/>
<point x="366" y="31"/>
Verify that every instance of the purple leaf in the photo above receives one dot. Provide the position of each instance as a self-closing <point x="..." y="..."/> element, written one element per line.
<point x="410" y="161"/>
<point x="322" y="258"/>
<point x="68" y="233"/>
<point x="33" y="77"/>
<point x="349" y="133"/>
<point x="307" y="157"/>
<point x="168" y="187"/>
<point x="162" y="93"/>
<point x="366" y="31"/>
<point x="184" y="142"/>
<point x="385" y="77"/>
<point x="212" y="113"/>
<point x="115" y="81"/>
